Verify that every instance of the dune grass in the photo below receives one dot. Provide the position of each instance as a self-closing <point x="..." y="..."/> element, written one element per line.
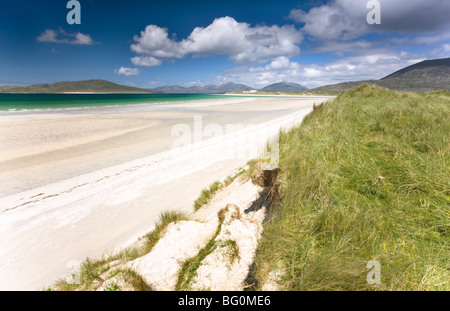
<point x="208" y="193"/>
<point x="365" y="177"/>
<point x="165" y="219"/>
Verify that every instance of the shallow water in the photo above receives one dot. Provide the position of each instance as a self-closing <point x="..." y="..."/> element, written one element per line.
<point x="25" y="102"/>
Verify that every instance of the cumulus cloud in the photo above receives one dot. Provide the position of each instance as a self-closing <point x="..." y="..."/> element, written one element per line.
<point x="82" y="39"/>
<point x="239" y="41"/>
<point x="126" y="71"/>
<point x="346" y="19"/>
<point x="281" y="63"/>
<point x="154" y="41"/>
<point x="48" y="36"/>
<point x="61" y="36"/>
<point x="148" y="61"/>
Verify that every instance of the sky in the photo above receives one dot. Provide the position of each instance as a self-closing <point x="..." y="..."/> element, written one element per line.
<point x="153" y="43"/>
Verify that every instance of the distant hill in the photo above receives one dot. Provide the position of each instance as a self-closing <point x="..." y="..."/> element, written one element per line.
<point x="424" y="65"/>
<point x="284" y="87"/>
<point x="207" y="89"/>
<point x="426" y="76"/>
<point x="230" y="87"/>
<point x="175" y="89"/>
<point x="429" y="75"/>
<point x="338" y="87"/>
<point x="95" y="86"/>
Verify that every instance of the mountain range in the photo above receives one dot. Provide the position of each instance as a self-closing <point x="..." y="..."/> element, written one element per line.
<point x="103" y="86"/>
<point x="425" y="76"/>
<point x="229" y="87"/>
<point x="207" y="89"/>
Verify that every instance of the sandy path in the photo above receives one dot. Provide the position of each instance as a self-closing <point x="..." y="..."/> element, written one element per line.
<point x="76" y="184"/>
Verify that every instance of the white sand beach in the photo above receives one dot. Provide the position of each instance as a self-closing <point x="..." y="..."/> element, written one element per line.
<point x="81" y="182"/>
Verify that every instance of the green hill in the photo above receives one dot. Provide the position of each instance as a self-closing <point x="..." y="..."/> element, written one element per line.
<point x="284" y="87"/>
<point x="426" y="76"/>
<point x="88" y="86"/>
<point x="364" y="177"/>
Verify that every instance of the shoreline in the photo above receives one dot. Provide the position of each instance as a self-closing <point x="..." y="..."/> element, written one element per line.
<point x="149" y="99"/>
<point x="281" y="95"/>
<point x="110" y="207"/>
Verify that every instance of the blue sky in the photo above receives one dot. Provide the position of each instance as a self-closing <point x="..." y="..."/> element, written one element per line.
<point x="154" y="43"/>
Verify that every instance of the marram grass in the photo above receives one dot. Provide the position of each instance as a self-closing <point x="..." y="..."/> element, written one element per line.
<point x="208" y="193"/>
<point x="365" y="177"/>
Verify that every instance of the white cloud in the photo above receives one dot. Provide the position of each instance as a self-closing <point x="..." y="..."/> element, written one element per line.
<point x="48" y="36"/>
<point x="432" y="38"/>
<point x="441" y="51"/>
<point x="82" y="39"/>
<point x="281" y="63"/>
<point x="224" y="36"/>
<point x="126" y="71"/>
<point x="147" y="61"/>
<point x="61" y="36"/>
<point x="154" y="41"/>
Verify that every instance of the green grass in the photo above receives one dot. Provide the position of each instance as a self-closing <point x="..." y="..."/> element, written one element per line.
<point x="165" y="219"/>
<point x="208" y="193"/>
<point x="88" y="275"/>
<point x="365" y="177"/>
<point x="231" y="250"/>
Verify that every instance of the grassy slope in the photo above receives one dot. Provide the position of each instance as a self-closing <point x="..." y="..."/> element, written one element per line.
<point x="365" y="177"/>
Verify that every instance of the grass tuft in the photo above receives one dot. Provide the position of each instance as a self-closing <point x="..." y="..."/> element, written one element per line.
<point x="153" y="237"/>
<point x="208" y="193"/>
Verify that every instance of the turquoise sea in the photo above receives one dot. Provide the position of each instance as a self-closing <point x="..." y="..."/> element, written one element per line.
<point x="26" y="102"/>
